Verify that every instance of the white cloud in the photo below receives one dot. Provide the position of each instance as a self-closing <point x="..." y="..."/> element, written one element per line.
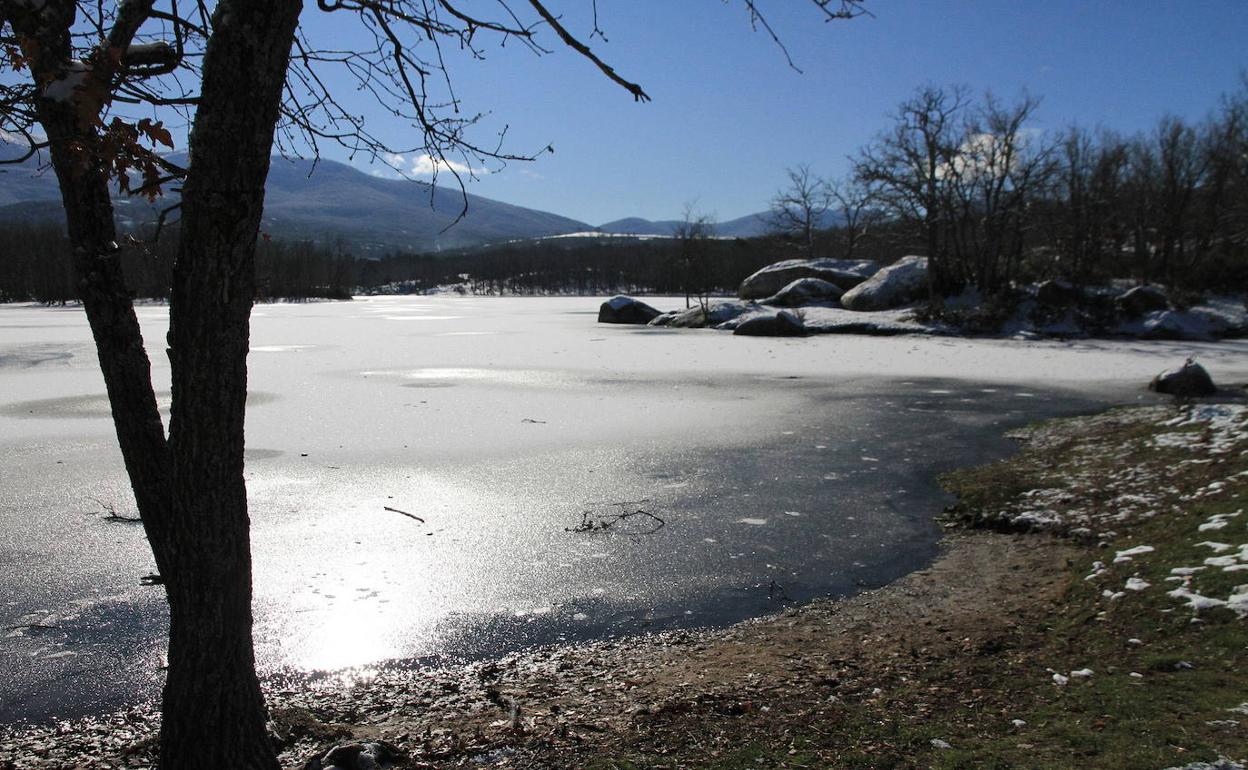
<point x="426" y="165"/>
<point x="987" y="155"/>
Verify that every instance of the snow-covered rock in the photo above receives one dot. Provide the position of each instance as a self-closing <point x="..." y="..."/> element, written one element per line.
<point x="899" y="284"/>
<point x="884" y="323"/>
<point x="1057" y="293"/>
<point x="771" y="279"/>
<point x="716" y="313"/>
<point x="782" y="324"/>
<point x="1137" y="301"/>
<point x="626" y="310"/>
<point x="1188" y="381"/>
<point x="805" y="291"/>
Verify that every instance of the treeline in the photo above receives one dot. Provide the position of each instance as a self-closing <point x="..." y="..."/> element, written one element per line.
<point x="579" y="266"/>
<point x="35" y="265"/>
<point x="966" y="182"/>
<point x="992" y="202"/>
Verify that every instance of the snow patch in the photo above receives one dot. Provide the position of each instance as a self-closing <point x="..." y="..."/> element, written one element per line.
<point x="1130" y="553"/>
<point x="1195" y="601"/>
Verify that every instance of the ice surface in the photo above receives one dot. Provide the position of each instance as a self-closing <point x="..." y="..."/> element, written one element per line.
<point x="500" y="421"/>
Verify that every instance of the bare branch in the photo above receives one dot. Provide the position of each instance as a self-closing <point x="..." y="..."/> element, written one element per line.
<point x="576" y="45"/>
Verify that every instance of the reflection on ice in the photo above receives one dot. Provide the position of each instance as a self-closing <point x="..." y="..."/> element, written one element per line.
<point x="96" y="406"/>
<point x="473" y="374"/>
<point x="420" y="317"/>
<point x="280" y="348"/>
<point x="339" y="633"/>
<point x="724" y="444"/>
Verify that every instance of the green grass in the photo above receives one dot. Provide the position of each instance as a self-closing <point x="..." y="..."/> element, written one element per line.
<point x="1119" y="720"/>
<point x="1192" y="672"/>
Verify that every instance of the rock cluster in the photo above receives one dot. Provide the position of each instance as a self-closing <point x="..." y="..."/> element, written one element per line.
<point x="846" y="274"/>
<point x="837" y="296"/>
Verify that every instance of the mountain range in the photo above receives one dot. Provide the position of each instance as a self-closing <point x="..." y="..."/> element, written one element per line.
<point x="327" y="201"/>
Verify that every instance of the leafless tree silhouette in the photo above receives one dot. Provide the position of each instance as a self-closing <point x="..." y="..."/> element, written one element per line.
<point x="82" y="82"/>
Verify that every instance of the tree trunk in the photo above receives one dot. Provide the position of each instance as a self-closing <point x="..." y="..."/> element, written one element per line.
<point x="83" y="181"/>
<point x="118" y="342"/>
<point x="214" y="714"/>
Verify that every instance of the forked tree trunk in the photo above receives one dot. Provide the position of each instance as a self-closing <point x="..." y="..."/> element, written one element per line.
<point x="189" y="489"/>
<point x="115" y="329"/>
<point x="214" y="713"/>
<point x="83" y="182"/>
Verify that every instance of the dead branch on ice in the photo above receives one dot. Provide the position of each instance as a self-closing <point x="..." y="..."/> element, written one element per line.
<point x="626" y="511"/>
<point x="404" y="513"/>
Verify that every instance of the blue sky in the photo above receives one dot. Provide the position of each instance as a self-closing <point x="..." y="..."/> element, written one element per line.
<point x="728" y="114"/>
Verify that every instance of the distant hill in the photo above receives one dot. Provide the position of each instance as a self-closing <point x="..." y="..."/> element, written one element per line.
<point x="337" y="201"/>
<point x="639" y="226"/>
<point x="748" y="226"/>
<point x="329" y="201"/>
<point x="325" y="203"/>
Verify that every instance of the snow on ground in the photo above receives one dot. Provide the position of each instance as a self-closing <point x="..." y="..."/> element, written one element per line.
<point x="1133" y="494"/>
<point x="1221" y="764"/>
<point x="1113" y="492"/>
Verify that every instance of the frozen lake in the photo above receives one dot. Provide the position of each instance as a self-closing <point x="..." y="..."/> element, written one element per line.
<point x="783" y="469"/>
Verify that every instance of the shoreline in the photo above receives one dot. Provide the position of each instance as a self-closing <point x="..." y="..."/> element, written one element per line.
<point x="981" y="655"/>
<point x="574" y="699"/>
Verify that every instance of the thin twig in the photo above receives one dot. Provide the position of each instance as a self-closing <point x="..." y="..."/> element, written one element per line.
<point x="405" y="513"/>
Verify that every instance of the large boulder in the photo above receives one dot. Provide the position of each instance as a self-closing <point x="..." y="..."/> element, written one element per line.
<point x="369" y="755"/>
<point x="1058" y="293"/>
<point x="782" y="324"/>
<point x="1188" y="381"/>
<point x="899" y="284"/>
<point x="843" y="272"/>
<point x="625" y="310"/>
<point x="805" y="291"/>
<point x="1141" y="300"/>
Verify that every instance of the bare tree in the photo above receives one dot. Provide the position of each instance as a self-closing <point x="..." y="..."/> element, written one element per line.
<point x="797" y="210"/>
<point x="693" y="254"/>
<point x="999" y="170"/>
<point x="1084" y="219"/>
<point x="908" y="165"/>
<point x="1182" y="165"/>
<point x="855" y="204"/>
<point x="1222" y="221"/>
<point x="84" y="80"/>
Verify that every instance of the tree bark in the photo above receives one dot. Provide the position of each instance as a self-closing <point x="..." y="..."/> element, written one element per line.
<point x="214" y="714"/>
<point x="118" y="338"/>
<point x="83" y="181"/>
